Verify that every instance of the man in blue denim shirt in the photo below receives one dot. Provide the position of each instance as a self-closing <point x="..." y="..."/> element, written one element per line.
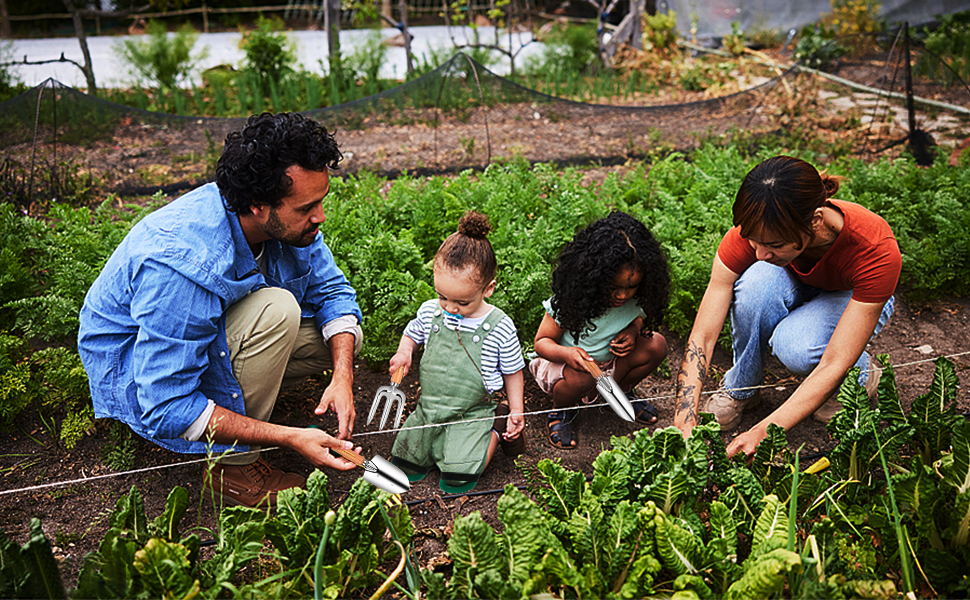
<point x="211" y="303"/>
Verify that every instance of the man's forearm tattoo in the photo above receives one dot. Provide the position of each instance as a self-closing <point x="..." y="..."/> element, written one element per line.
<point x="695" y="362"/>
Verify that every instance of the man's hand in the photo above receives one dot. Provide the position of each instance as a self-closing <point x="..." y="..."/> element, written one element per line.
<point x="339" y="396"/>
<point x="314" y="445"/>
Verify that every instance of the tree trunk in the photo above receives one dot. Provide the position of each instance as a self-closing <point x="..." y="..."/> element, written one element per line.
<point x="87" y="69"/>
<point x="331" y="22"/>
<point x="403" y="7"/>
<point x="5" y="32"/>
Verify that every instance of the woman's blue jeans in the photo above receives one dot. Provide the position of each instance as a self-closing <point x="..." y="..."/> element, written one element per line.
<point x="772" y="310"/>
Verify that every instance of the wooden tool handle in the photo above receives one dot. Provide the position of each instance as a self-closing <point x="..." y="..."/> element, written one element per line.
<point x="398" y="375"/>
<point x="353" y="457"/>
<point x="594" y="369"/>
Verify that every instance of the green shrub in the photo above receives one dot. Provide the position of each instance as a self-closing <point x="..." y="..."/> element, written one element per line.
<point x="569" y="50"/>
<point x="269" y="53"/>
<point x="947" y="55"/>
<point x="817" y="47"/>
<point x="162" y="60"/>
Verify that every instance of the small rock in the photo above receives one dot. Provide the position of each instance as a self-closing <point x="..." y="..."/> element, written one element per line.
<point x="924" y="349"/>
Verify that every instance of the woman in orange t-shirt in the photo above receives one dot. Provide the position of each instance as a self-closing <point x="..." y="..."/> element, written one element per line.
<point x="805" y="277"/>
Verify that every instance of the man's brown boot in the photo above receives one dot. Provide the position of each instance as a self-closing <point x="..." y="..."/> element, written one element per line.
<point x="254" y="485"/>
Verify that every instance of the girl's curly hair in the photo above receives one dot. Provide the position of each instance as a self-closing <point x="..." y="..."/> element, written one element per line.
<point x="583" y="278"/>
<point x="252" y="168"/>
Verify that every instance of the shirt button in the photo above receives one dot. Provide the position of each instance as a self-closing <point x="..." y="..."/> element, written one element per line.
<point x="476" y="339"/>
<point x="434" y="328"/>
<point x="437" y="312"/>
<point x="235" y="395"/>
<point x="486" y="326"/>
<point x="222" y="354"/>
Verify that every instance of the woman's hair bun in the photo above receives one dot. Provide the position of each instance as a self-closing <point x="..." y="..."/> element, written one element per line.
<point x="830" y="183"/>
<point x="474" y="225"/>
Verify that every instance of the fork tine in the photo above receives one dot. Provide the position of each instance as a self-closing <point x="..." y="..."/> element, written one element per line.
<point x="400" y="412"/>
<point x="373" y="407"/>
<point x="387" y="409"/>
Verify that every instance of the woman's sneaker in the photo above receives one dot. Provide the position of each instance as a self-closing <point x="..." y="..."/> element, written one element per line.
<point x="727" y="409"/>
<point x="825" y="412"/>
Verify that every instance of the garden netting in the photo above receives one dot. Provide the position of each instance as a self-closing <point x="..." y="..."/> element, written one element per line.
<point x="55" y="140"/>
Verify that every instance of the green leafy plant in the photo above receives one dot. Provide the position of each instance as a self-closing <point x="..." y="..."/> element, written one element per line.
<point x="162" y="60"/>
<point x="817" y="47"/>
<point x="947" y="50"/>
<point x="270" y="57"/>
<point x="735" y="42"/>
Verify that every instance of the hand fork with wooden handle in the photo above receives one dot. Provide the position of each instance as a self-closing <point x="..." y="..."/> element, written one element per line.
<point x="611" y="392"/>
<point x="390" y="394"/>
<point x="379" y="472"/>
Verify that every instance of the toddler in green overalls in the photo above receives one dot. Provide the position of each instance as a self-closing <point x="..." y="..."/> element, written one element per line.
<point x="471" y="350"/>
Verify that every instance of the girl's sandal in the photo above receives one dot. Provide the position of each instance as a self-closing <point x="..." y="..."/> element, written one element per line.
<point x="644" y="412"/>
<point x="559" y="426"/>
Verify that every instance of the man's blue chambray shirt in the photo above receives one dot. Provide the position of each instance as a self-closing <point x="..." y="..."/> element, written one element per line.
<point x="153" y="325"/>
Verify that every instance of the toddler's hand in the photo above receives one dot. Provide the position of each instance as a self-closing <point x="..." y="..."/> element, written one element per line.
<point x="514" y="425"/>
<point x="400" y="359"/>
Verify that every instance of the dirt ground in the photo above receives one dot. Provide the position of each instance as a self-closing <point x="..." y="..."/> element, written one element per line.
<point x="74" y="513"/>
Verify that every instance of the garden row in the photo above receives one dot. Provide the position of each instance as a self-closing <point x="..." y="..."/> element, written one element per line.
<point x="384" y="235"/>
<point x="886" y="514"/>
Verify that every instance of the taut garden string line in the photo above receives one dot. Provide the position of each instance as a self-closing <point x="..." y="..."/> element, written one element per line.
<point x="368" y="433"/>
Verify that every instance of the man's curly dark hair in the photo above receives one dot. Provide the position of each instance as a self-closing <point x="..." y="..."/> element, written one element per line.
<point x="252" y="168"/>
<point x="583" y="278"/>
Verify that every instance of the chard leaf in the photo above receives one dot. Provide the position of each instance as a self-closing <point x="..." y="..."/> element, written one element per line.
<point x="890" y="409"/>
<point x="679" y="551"/>
<point x="957" y="472"/>
<point x="491" y="584"/>
<point x="240" y="542"/>
<point x="557" y="573"/>
<point x="525" y="533"/>
<point x="770" y="461"/>
<point x="723" y="526"/>
<point x="669" y="446"/>
<point x="165" y="569"/>
<point x="40" y="576"/>
<point x="624" y="541"/>
<point x="474" y="548"/>
<point x="109" y="572"/>
<point x="743" y="498"/>
<point x="639" y="581"/>
<point x="765" y="576"/>
<point x="960" y="520"/>
<point x="933" y="413"/>
<point x="299" y="522"/>
<point x="166" y="525"/>
<point x="918" y="494"/>
<point x="129" y="514"/>
<point x="692" y="583"/>
<point x="589" y="534"/>
<point x="771" y="529"/>
<point x="669" y="489"/>
<point x="855" y="411"/>
<point x="611" y="478"/>
<point x="565" y="488"/>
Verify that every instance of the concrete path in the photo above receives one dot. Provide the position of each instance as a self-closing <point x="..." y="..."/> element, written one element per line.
<point x="223" y="49"/>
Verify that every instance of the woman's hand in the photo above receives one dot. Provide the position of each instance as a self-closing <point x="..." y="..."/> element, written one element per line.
<point x="747" y="442"/>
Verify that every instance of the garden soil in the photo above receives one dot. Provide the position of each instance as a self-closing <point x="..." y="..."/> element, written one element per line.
<point x="75" y="513"/>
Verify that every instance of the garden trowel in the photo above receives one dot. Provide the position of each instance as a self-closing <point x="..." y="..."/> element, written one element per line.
<point x="390" y="394"/>
<point x="611" y="392"/>
<point x="379" y="472"/>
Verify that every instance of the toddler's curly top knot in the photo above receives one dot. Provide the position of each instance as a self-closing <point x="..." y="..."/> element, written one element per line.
<point x="469" y="247"/>
<point x="474" y="225"/>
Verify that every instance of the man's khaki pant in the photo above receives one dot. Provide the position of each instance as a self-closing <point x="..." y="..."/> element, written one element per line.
<point x="271" y="345"/>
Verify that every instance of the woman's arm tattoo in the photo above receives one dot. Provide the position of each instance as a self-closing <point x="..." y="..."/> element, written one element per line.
<point x="695" y="361"/>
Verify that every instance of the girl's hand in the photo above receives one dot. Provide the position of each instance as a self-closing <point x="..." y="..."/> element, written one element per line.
<point x="577" y="359"/>
<point x="514" y="425"/>
<point x="623" y="343"/>
<point x="401" y="358"/>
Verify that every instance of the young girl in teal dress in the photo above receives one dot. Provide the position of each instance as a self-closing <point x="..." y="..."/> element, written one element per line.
<point x="471" y="350"/>
<point x="610" y="290"/>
